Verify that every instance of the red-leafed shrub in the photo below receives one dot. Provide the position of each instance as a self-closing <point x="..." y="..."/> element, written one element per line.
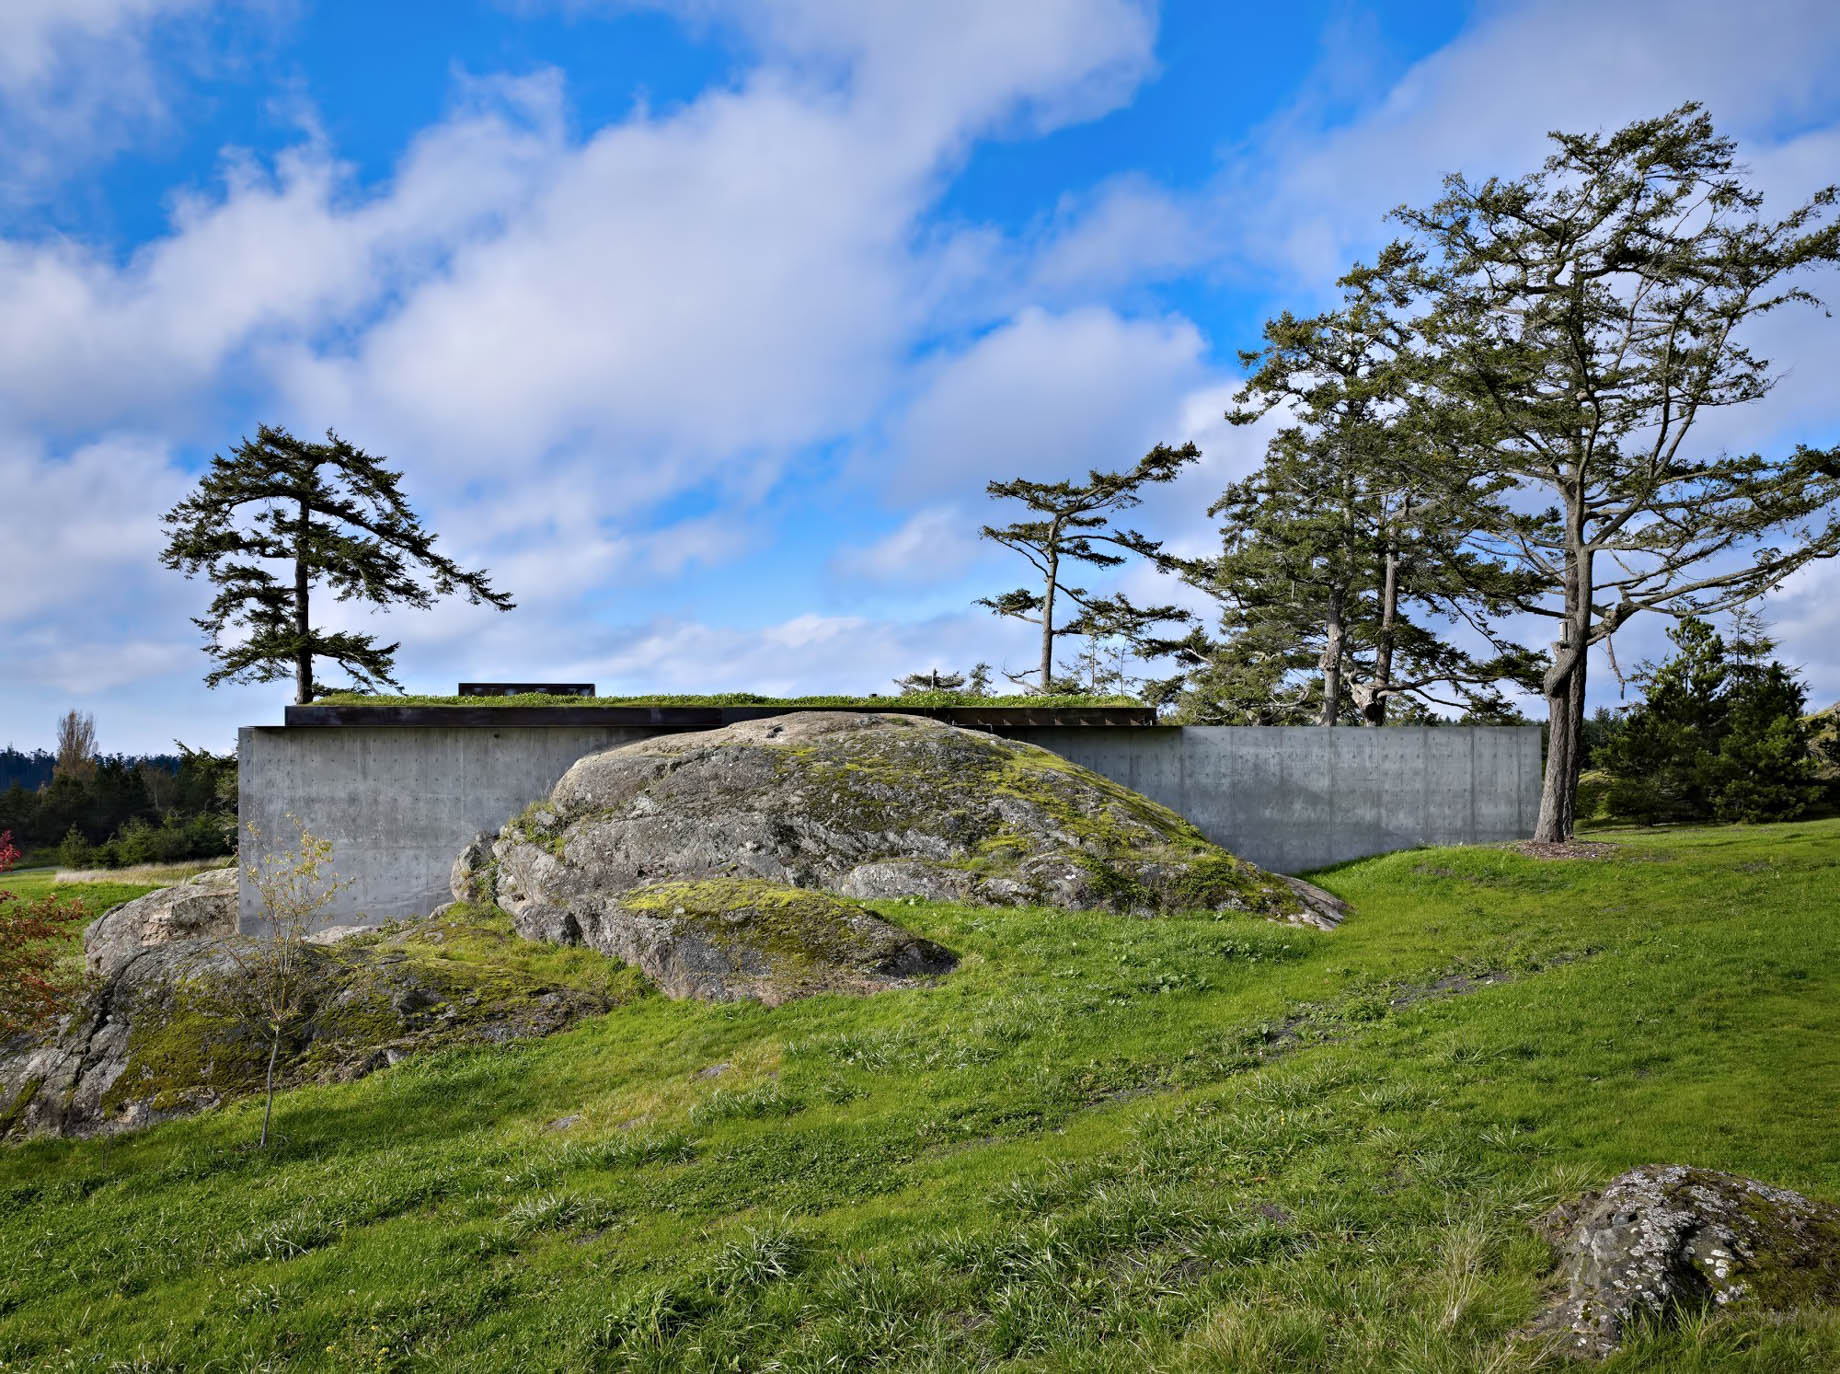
<point x="31" y="990"/>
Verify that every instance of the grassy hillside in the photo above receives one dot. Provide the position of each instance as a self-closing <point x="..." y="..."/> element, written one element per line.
<point x="1103" y="1143"/>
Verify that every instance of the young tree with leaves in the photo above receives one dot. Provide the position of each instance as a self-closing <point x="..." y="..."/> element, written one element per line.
<point x="281" y="517"/>
<point x="1072" y="526"/>
<point x="292" y="887"/>
<point x="1580" y="322"/>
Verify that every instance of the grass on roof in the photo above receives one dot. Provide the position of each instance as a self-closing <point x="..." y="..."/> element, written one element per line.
<point x="731" y="699"/>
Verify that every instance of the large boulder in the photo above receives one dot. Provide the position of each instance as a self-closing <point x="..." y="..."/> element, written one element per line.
<point x="725" y="940"/>
<point x="1664" y="1239"/>
<point x="178" y="1027"/>
<point x="866" y="806"/>
<point x="202" y="907"/>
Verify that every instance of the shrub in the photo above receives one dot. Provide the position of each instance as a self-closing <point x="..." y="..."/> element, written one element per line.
<point x="1720" y="735"/>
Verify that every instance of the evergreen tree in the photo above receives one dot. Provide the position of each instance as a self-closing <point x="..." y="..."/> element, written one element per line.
<point x="1719" y="735"/>
<point x="1072" y="526"/>
<point x="1578" y="323"/>
<point x="1335" y="551"/>
<point x="281" y="517"/>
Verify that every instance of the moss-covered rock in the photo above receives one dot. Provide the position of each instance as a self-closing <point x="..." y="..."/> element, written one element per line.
<point x="1665" y="1239"/>
<point x="729" y="939"/>
<point x="867" y="806"/>
<point x="179" y="1027"/>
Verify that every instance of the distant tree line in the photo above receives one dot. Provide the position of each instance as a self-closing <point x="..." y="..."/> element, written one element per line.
<point x="111" y="810"/>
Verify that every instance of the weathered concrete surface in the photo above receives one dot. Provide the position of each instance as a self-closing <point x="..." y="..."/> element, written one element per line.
<point x="396" y="804"/>
<point x="399" y="803"/>
<point x="1295" y="798"/>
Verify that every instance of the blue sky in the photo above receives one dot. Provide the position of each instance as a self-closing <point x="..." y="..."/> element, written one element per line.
<point x="704" y="324"/>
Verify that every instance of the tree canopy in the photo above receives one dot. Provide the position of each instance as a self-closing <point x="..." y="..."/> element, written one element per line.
<point x="1580" y="323"/>
<point x="1072" y="526"/>
<point x="1337" y="547"/>
<point x="280" y="517"/>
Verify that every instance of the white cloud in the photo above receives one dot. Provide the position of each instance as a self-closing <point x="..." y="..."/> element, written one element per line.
<point x="76" y="82"/>
<point x="1127" y="230"/>
<point x="806" y="654"/>
<point x="1043" y="396"/>
<point x="279" y="256"/>
<point x="1310" y="197"/>
<point x="932" y="545"/>
<point x="86" y="532"/>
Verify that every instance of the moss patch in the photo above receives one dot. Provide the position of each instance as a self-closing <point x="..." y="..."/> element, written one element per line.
<point x="798" y="930"/>
<point x="364" y="1003"/>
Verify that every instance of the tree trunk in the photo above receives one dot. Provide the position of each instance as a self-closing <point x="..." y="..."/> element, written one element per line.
<point x="1564" y="687"/>
<point x="268" y="1109"/>
<point x="303" y="650"/>
<point x="1334" y="651"/>
<point x="1047" y="614"/>
<point x="1559" y="790"/>
<point x="1373" y="710"/>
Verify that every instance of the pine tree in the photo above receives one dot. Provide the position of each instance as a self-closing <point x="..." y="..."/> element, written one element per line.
<point x="1336" y="552"/>
<point x="1073" y="527"/>
<point x="1719" y="734"/>
<point x="280" y="517"/>
<point x="1579" y="322"/>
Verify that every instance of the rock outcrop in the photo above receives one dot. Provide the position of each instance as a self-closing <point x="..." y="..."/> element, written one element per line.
<point x="1663" y="1238"/>
<point x="202" y="907"/>
<point x="726" y="940"/>
<point x="865" y="806"/>
<point x="178" y="1027"/>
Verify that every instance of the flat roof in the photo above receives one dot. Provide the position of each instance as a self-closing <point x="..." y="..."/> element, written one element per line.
<point x="701" y="717"/>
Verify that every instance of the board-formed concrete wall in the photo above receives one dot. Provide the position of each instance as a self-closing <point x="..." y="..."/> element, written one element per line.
<point x="398" y="803"/>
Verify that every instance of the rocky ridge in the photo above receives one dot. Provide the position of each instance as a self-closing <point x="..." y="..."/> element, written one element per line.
<point x="174" y="1027"/>
<point x="202" y="907"/>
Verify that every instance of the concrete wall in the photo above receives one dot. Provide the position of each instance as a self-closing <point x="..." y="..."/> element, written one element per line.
<point x="398" y="803"/>
<point x="1294" y="798"/>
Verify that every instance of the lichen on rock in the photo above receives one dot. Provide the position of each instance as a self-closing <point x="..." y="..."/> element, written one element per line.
<point x="865" y="806"/>
<point x="1663" y="1239"/>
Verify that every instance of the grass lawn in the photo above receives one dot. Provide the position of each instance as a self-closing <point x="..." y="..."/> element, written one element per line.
<point x="98" y="894"/>
<point x="1103" y="1143"/>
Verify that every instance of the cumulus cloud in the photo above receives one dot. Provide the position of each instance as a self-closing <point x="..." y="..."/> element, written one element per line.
<point x="76" y="82"/>
<point x="1311" y="193"/>
<point x="277" y="257"/>
<point x="1043" y="395"/>
<point x="86" y="530"/>
<point x="932" y="545"/>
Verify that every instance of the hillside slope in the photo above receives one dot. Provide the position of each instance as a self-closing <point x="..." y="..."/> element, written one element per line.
<point x="1103" y="1142"/>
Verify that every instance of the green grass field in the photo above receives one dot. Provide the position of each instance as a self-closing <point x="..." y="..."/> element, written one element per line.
<point x="1103" y="1143"/>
